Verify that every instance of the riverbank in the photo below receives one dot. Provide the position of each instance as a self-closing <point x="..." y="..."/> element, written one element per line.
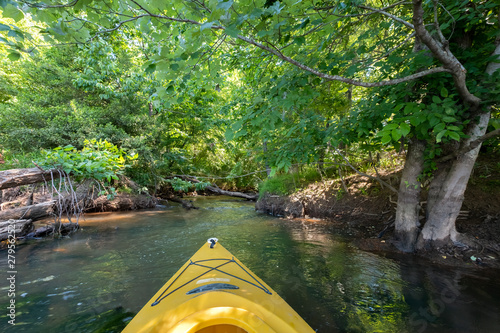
<point x="364" y="210"/>
<point x="23" y="207"/>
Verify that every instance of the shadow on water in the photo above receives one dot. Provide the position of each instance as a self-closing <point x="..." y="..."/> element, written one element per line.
<point x="99" y="278"/>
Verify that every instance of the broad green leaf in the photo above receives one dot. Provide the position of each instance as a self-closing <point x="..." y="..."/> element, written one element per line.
<point x="225" y="5"/>
<point x="385" y="139"/>
<point x="12" y="12"/>
<point x="390" y="127"/>
<point x="4" y="27"/>
<point x="405" y="129"/>
<point x="13" y="56"/>
<point x="440" y="135"/>
<point x="151" y="68"/>
<point x="396" y="134"/>
<point x="439" y="127"/>
<point x="444" y="92"/>
<point x="449" y="119"/>
<point x="299" y="40"/>
<point x="207" y="25"/>
<point x="453" y="135"/>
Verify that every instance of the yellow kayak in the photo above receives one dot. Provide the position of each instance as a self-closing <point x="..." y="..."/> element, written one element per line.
<point x="215" y="293"/>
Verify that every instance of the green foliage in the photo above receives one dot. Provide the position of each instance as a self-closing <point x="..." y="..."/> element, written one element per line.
<point x="287" y="183"/>
<point x="200" y="99"/>
<point x="99" y="160"/>
<point x="180" y="185"/>
<point x="278" y="185"/>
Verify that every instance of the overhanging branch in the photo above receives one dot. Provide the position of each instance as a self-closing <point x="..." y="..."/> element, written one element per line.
<point x="473" y="145"/>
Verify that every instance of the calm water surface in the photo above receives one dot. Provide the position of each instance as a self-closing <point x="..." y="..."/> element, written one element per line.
<point x="99" y="278"/>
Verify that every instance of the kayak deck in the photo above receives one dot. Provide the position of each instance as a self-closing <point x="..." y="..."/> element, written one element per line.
<point x="215" y="293"/>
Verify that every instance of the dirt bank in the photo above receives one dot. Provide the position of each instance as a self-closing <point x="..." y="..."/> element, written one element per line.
<point x="366" y="213"/>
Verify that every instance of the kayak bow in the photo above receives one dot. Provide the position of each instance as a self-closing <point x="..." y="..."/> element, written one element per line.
<point x="215" y="293"/>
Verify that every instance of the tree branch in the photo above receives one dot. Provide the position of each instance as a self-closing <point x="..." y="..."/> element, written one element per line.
<point x="364" y="174"/>
<point x="421" y="30"/>
<point x="395" y="18"/>
<point x="443" y="54"/>
<point x="474" y="144"/>
<point x="42" y="5"/>
<point x="340" y="78"/>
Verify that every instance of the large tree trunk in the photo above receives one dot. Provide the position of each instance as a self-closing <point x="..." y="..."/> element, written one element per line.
<point x="447" y="195"/>
<point x="445" y="203"/>
<point x="407" y="213"/>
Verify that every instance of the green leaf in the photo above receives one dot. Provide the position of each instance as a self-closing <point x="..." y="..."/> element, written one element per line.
<point x="225" y="5"/>
<point x="390" y="127"/>
<point x="151" y="68"/>
<point x="436" y="99"/>
<point x="207" y="25"/>
<point x="12" y="12"/>
<point x="14" y="56"/>
<point x="453" y="135"/>
<point x="449" y="119"/>
<point x="405" y="129"/>
<point x="385" y="139"/>
<point x="4" y="27"/>
<point x="299" y="40"/>
<point x="439" y="127"/>
<point x="444" y="92"/>
<point x="440" y="135"/>
<point x="396" y="134"/>
<point x="232" y="31"/>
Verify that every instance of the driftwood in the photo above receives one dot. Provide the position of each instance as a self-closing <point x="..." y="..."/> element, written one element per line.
<point x="17" y="177"/>
<point x="216" y="189"/>
<point x="32" y="212"/>
<point x="18" y="227"/>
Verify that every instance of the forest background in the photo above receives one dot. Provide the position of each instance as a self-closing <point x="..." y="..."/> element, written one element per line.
<point x="239" y="91"/>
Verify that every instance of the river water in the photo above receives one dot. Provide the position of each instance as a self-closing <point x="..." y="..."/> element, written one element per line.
<point x="99" y="278"/>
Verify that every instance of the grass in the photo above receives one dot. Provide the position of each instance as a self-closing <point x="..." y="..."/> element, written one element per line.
<point x="17" y="160"/>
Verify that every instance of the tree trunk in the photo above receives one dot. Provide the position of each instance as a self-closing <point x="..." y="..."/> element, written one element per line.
<point x="446" y="200"/>
<point x="17" y="177"/>
<point x="407" y="213"/>
<point x="447" y="195"/>
<point x="32" y="212"/>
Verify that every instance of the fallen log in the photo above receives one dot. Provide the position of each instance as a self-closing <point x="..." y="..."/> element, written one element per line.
<point x="17" y="177"/>
<point x="216" y="189"/>
<point x="18" y="228"/>
<point x="33" y="212"/>
<point x="121" y="202"/>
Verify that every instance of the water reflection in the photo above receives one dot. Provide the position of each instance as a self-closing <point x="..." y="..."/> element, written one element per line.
<point x="98" y="279"/>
